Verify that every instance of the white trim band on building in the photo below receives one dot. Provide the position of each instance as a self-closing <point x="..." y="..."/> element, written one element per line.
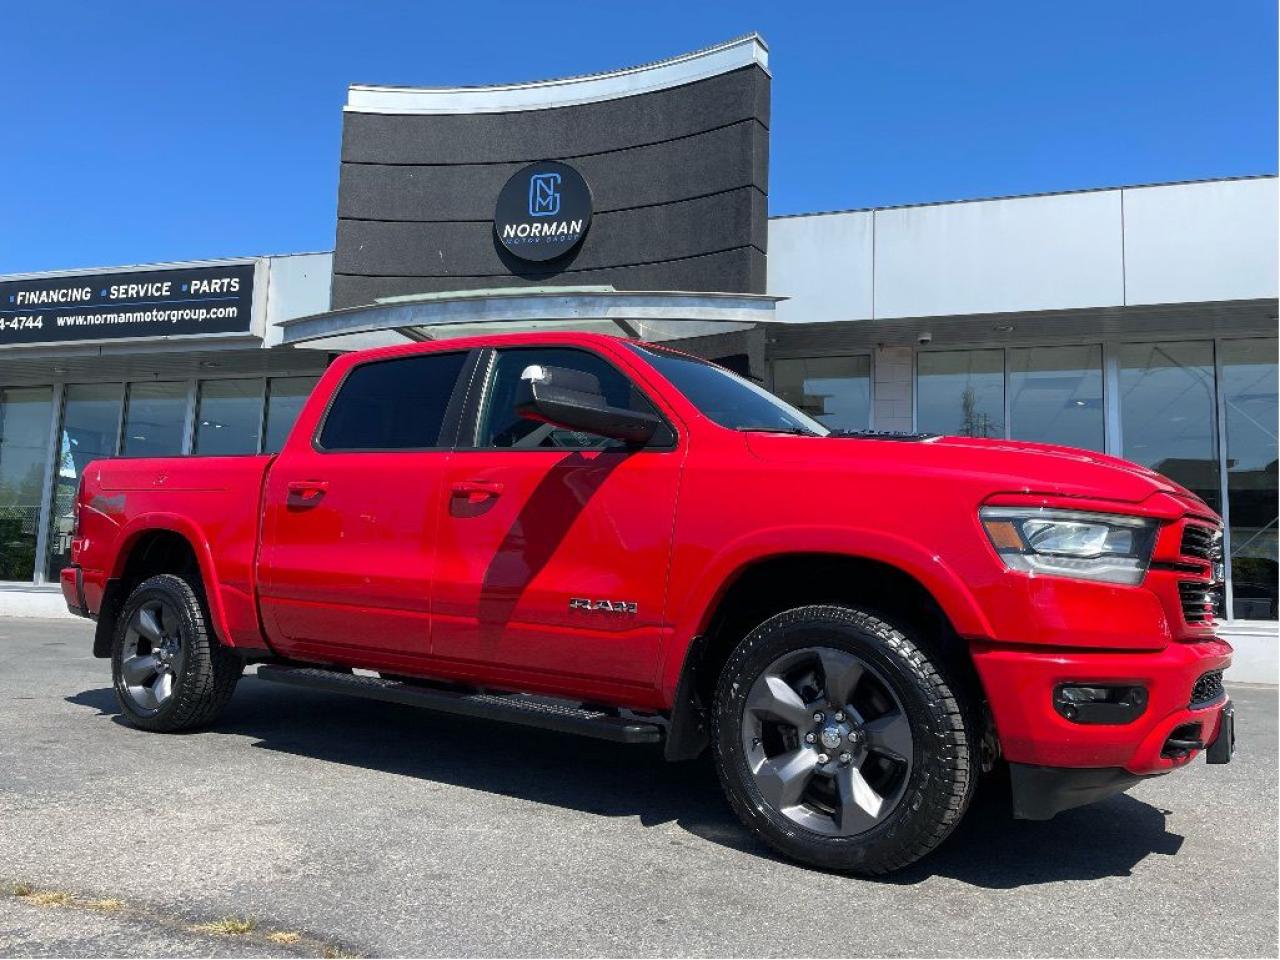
<point x="647" y="315"/>
<point x="569" y="91"/>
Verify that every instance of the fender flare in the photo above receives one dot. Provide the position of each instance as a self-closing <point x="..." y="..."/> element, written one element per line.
<point x="145" y="523"/>
<point x="926" y="567"/>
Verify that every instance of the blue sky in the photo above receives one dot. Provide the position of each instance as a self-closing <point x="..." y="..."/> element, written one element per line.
<point x="138" y="132"/>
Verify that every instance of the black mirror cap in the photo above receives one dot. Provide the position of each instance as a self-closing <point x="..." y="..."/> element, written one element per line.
<point x="555" y="395"/>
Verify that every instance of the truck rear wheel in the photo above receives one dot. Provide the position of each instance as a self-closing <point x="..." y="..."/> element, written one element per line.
<point x="169" y="671"/>
<point x="840" y="742"/>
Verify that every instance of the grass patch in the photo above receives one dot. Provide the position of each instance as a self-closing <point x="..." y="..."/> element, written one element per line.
<point x="284" y="936"/>
<point x="23" y="890"/>
<point x="106" y="904"/>
<point x="228" y="926"/>
<point x="48" y="898"/>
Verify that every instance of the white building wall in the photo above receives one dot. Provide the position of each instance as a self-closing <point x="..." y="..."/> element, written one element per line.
<point x="998" y="256"/>
<point x="1201" y="242"/>
<point x="297" y="286"/>
<point x="1178" y="243"/>
<point x="827" y="260"/>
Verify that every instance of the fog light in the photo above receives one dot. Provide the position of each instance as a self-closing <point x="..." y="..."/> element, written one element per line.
<point x="1100" y="703"/>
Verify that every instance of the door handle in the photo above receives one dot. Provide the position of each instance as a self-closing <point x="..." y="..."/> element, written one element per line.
<point x="477" y="491"/>
<point x="307" y="492"/>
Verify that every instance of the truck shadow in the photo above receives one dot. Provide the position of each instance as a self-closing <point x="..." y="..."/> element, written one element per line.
<point x="989" y="849"/>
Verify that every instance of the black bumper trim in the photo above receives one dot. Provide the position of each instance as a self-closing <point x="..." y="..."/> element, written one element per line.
<point x="1040" y="793"/>
<point x="80" y="608"/>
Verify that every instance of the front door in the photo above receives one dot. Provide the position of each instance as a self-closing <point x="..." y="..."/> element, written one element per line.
<point x="348" y="538"/>
<point x="554" y="545"/>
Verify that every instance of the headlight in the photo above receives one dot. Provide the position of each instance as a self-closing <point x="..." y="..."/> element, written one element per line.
<point x="1067" y="543"/>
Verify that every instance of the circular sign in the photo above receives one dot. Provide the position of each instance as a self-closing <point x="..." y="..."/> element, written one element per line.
<point x="543" y="211"/>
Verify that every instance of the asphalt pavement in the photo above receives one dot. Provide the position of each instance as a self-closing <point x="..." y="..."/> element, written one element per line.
<point x="334" y="826"/>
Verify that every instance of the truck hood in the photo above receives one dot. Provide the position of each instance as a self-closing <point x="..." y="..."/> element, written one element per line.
<point x="1005" y="466"/>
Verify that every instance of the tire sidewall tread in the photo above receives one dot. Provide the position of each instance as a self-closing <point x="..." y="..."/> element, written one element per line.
<point x="941" y="783"/>
<point x="210" y="671"/>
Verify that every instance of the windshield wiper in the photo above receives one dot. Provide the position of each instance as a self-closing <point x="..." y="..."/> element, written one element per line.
<point x="791" y="431"/>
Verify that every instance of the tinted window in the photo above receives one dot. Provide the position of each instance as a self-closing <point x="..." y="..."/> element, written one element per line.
<point x="501" y="426"/>
<point x="725" y="397"/>
<point x="1249" y="393"/>
<point x="1167" y="412"/>
<point x="1055" y="395"/>
<point x="836" y="391"/>
<point x="392" y="404"/>
<point x="154" y="419"/>
<point x="285" y="397"/>
<point x="24" y="444"/>
<point x="961" y="392"/>
<point x="229" y="418"/>
<point x="90" y="430"/>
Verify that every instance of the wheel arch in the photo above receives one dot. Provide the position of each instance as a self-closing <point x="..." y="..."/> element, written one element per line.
<point x="149" y="547"/>
<point x="767" y="585"/>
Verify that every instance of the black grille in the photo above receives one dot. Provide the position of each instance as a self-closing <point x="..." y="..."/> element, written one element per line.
<point x="1201" y="542"/>
<point x="1198" y="601"/>
<point x="1207" y="689"/>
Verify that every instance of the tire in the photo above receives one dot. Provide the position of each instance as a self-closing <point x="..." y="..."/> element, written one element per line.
<point x="163" y="631"/>
<point x="904" y="737"/>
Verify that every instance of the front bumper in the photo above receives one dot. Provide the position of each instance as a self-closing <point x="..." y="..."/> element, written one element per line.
<point x="1040" y="793"/>
<point x="1020" y="682"/>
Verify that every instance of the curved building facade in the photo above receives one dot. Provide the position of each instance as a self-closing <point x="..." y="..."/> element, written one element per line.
<point x="675" y="156"/>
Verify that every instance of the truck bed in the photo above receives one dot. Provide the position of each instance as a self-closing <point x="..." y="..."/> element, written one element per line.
<point x="214" y="502"/>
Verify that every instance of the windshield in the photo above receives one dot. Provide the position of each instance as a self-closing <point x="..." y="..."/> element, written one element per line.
<point x="727" y="398"/>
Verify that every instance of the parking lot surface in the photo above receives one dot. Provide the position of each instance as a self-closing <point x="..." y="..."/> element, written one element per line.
<point x="371" y="828"/>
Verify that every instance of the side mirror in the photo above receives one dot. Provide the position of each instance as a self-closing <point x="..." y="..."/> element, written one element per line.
<point x="573" y="399"/>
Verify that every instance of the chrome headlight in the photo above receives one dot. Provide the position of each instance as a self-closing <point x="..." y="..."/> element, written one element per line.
<point x="1069" y="543"/>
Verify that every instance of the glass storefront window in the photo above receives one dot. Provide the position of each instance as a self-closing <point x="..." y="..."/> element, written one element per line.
<point x="1055" y="395"/>
<point x="961" y="392"/>
<point x="90" y="430"/>
<point x="229" y="417"/>
<point x="285" y="397"/>
<point x="25" y="413"/>
<point x="1167" y="413"/>
<point x="154" y="419"/>
<point x="1250" y="397"/>
<point x="836" y="391"/>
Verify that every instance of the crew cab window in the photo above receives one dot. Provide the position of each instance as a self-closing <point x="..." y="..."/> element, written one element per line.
<point x="501" y="426"/>
<point x="393" y="404"/>
<point x="727" y="398"/>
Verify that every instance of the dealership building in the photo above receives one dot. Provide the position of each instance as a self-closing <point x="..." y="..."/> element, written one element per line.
<point x="1139" y="321"/>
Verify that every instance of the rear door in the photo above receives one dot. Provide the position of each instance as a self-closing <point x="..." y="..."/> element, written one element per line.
<point x="352" y="514"/>
<point x="553" y="546"/>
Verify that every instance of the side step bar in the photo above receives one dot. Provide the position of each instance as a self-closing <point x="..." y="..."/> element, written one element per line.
<point x="512" y="708"/>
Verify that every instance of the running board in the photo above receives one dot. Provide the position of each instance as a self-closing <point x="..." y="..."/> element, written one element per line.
<point x="510" y="708"/>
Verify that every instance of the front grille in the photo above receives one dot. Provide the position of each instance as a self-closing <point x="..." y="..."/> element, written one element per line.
<point x="1207" y="689"/>
<point x="1198" y="602"/>
<point x="1201" y="542"/>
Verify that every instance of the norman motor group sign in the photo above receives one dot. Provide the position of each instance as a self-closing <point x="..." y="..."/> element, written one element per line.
<point x="179" y="302"/>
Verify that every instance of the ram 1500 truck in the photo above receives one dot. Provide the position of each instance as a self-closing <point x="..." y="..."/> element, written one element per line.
<point x="613" y="538"/>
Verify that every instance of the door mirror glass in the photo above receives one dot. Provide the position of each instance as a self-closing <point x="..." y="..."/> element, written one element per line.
<point x="575" y="400"/>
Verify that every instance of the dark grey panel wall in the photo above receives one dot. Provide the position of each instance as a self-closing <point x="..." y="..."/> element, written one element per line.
<point x="732" y="271"/>
<point x="679" y="182"/>
<point x="693" y="166"/>
<point x="665" y="231"/>
<point x="544" y="134"/>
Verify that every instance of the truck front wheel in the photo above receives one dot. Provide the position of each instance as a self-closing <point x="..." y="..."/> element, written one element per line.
<point x="170" y="672"/>
<point x="840" y="742"/>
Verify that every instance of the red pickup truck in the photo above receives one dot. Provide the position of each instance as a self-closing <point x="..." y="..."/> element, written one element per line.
<point x="613" y="538"/>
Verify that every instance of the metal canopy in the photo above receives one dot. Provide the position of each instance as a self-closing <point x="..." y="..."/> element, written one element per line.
<point x="645" y="315"/>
